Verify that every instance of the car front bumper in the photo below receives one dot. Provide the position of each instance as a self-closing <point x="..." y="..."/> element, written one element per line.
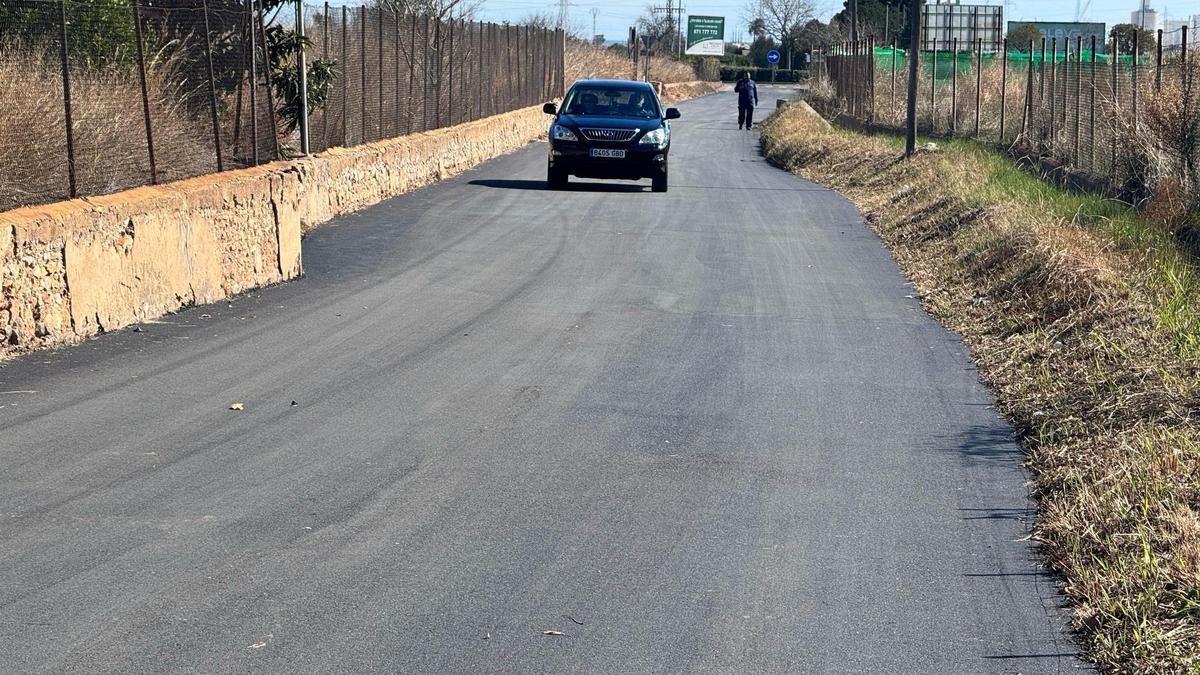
<point x="638" y="162"/>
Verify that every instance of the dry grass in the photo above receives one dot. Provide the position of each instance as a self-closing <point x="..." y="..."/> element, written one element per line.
<point x="587" y="61"/>
<point x="109" y="133"/>
<point x="1084" y="318"/>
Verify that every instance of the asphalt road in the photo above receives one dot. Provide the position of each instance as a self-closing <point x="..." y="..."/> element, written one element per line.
<point x="706" y="430"/>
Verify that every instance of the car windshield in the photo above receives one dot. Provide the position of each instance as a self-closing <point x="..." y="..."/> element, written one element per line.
<point x="611" y="101"/>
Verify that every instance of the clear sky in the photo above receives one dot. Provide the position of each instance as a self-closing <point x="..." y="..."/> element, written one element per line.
<point x="614" y="17"/>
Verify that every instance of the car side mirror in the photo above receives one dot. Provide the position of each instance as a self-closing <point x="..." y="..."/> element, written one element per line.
<point x="550" y="109"/>
<point x="672" y="113"/>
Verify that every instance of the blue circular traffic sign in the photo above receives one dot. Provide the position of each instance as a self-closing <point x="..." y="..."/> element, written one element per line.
<point x="773" y="56"/>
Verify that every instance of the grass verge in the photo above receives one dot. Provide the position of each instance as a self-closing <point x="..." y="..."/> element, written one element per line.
<point x="1085" y="318"/>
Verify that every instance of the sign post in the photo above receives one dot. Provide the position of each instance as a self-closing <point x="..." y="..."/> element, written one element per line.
<point x="773" y="59"/>
<point x="706" y="36"/>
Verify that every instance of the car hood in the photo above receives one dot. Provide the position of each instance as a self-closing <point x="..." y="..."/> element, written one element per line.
<point x="601" y="122"/>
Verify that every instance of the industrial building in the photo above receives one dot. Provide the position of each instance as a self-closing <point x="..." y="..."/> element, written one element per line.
<point x="1145" y="17"/>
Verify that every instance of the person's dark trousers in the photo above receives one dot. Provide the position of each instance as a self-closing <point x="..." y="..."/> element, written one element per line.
<point x="745" y="116"/>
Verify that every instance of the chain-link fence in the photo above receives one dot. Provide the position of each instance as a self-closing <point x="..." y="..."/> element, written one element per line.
<point x="105" y="95"/>
<point x="1114" y="115"/>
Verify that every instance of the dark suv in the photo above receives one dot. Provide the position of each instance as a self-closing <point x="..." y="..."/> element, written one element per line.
<point x="609" y="129"/>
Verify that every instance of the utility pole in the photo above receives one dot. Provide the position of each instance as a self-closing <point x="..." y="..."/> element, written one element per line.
<point x="914" y="49"/>
<point x="679" y="28"/>
<point x="672" y="27"/>
<point x="594" y="13"/>
<point x="561" y="23"/>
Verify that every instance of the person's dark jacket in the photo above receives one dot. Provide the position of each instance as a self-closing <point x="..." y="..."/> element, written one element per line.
<point x="747" y="93"/>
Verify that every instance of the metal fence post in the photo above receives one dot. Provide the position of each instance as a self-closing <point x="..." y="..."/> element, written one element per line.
<point x="450" y="84"/>
<point x="1187" y="64"/>
<point x="1041" y="97"/>
<point x="141" y="62"/>
<point x="933" y="89"/>
<point x="362" y="72"/>
<point x="1003" y="86"/>
<point x="438" y="76"/>
<point x="979" y="87"/>
<point x="345" y="78"/>
<point x="871" y="76"/>
<point x="395" y="53"/>
<point x="1186" y="74"/>
<point x="302" y="79"/>
<point x="954" y="86"/>
<point x="1053" y="88"/>
<point x="63" y="51"/>
<point x="412" y="70"/>
<point x="892" y="103"/>
<point x="479" y="58"/>
<point x="510" y="97"/>
<point x="1079" y="91"/>
<point x="379" y="118"/>
<point x="262" y="34"/>
<point x="325" y="55"/>
<point x="212" y="89"/>
<point x="1133" y="77"/>
<point x="1027" y="109"/>
<point x="253" y="59"/>
<point x="1116" y="106"/>
<point x="241" y="85"/>
<point x="1092" y="109"/>
<point x="1158" y="61"/>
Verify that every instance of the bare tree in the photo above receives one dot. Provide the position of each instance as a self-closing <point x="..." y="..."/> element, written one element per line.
<point x="441" y="9"/>
<point x="660" y="28"/>
<point x="780" y="19"/>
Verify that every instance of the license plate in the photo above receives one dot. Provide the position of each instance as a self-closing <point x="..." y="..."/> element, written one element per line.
<point x="605" y="152"/>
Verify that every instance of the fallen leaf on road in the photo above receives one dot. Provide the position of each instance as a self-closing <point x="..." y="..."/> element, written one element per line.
<point x="552" y="632"/>
<point x="237" y="406"/>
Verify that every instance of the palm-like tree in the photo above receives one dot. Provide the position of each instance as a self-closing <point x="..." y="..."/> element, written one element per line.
<point x="758" y="27"/>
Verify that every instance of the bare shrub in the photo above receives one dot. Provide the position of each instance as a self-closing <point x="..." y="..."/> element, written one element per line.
<point x="108" y="128"/>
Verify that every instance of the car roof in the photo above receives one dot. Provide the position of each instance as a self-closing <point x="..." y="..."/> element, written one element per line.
<point x="612" y="83"/>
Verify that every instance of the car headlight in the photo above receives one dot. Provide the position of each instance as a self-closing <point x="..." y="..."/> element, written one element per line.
<point x="560" y="133"/>
<point x="656" y="137"/>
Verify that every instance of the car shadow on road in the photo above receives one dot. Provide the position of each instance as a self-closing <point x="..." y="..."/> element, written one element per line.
<point x="513" y="184"/>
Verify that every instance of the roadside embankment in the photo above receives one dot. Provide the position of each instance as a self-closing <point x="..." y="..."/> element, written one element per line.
<point x="676" y="92"/>
<point x="1085" y="319"/>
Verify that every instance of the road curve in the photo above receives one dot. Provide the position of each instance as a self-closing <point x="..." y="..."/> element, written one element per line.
<point x="706" y="430"/>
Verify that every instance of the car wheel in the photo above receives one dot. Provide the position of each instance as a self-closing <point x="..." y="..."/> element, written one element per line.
<point x="556" y="179"/>
<point x="659" y="181"/>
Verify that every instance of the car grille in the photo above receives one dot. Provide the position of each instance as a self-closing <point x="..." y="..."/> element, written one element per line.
<point x="613" y="135"/>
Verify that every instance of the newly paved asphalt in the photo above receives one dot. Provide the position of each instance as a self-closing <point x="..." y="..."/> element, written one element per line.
<point x="702" y="431"/>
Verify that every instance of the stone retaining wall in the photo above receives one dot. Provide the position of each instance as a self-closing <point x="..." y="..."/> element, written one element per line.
<point x="77" y="268"/>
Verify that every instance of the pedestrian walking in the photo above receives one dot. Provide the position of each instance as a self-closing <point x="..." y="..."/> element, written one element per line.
<point x="747" y="93"/>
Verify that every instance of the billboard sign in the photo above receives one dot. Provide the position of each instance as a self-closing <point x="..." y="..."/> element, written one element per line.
<point x="706" y="36"/>
<point x="1068" y="30"/>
